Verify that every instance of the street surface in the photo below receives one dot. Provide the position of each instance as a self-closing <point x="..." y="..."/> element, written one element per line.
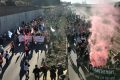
<point x="13" y="70"/>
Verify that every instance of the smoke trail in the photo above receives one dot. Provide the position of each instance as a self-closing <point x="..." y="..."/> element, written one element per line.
<point x="104" y="23"/>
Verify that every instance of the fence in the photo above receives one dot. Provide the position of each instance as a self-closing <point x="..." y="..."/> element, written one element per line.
<point x="105" y="73"/>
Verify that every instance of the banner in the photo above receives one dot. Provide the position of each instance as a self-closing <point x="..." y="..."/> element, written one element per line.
<point x="28" y="38"/>
<point x="39" y="38"/>
<point x="22" y="38"/>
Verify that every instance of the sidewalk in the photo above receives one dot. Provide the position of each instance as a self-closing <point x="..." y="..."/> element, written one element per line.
<point x="73" y="65"/>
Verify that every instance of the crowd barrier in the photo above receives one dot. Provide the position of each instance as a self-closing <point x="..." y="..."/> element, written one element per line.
<point x="105" y="73"/>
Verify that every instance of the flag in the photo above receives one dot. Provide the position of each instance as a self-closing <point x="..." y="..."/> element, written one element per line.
<point x="53" y="30"/>
<point x="18" y="31"/>
<point x="32" y="30"/>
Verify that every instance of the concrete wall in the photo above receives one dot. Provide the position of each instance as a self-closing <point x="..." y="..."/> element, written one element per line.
<point x="45" y="2"/>
<point x="13" y="21"/>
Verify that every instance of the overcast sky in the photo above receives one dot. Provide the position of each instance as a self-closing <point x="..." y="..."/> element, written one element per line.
<point x="88" y="1"/>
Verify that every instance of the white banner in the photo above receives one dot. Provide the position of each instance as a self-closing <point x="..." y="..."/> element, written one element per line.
<point x="39" y="38"/>
<point x="23" y="38"/>
<point x="28" y="38"/>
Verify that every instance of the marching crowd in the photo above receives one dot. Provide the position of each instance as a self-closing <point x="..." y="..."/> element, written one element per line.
<point x="23" y="38"/>
<point x="77" y="35"/>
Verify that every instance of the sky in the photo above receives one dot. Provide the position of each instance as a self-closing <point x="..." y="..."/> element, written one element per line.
<point x="88" y="1"/>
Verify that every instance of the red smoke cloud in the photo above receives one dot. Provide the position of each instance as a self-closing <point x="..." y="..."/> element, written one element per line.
<point x="102" y="31"/>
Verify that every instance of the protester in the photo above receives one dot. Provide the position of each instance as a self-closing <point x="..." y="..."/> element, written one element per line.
<point x="44" y="70"/>
<point x="36" y="72"/>
<point x="22" y="38"/>
<point x="6" y="56"/>
<point x="1" y="60"/>
<point x="77" y="35"/>
<point x="12" y="48"/>
<point x="53" y="72"/>
<point x="26" y="69"/>
<point x="1" y="40"/>
<point x="27" y="51"/>
<point x="1" y="49"/>
<point x="60" y="70"/>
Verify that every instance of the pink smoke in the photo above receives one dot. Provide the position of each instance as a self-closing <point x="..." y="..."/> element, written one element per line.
<point x="104" y="23"/>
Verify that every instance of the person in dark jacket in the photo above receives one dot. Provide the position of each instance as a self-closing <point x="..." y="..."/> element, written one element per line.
<point x="1" y="49"/>
<point x="36" y="72"/>
<point x="12" y="48"/>
<point x="60" y="70"/>
<point x="53" y="73"/>
<point x="44" y="70"/>
<point x="27" y="51"/>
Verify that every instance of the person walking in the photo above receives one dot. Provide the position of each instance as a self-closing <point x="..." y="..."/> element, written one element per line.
<point x="1" y="49"/>
<point x="36" y="72"/>
<point x="26" y="69"/>
<point x="53" y="73"/>
<point x="60" y="70"/>
<point x="44" y="70"/>
<point x="12" y="48"/>
<point x="1" y="61"/>
<point x="6" y="56"/>
<point x="26" y="51"/>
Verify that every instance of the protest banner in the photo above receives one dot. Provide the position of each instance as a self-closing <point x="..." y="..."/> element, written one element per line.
<point x="23" y="38"/>
<point x="39" y="38"/>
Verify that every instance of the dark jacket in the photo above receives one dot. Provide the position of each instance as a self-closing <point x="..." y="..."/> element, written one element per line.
<point x="36" y="72"/>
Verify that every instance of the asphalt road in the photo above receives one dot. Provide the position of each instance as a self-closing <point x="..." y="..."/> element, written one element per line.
<point x="13" y="70"/>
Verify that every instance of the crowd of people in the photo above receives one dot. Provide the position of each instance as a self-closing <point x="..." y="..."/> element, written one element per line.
<point x="53" y="69"/>
<point x="24" y="38"/>
<point x="77" y="35"/>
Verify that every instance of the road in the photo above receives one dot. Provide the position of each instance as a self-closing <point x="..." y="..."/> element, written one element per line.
<point x="15" y="67"/>
<point x="13" y="70"/>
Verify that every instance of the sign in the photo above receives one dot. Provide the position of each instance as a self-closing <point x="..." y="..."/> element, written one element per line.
<point x="28" y="38"/>
<point x="39" y="38"/>
<point x="22" y="38"/>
